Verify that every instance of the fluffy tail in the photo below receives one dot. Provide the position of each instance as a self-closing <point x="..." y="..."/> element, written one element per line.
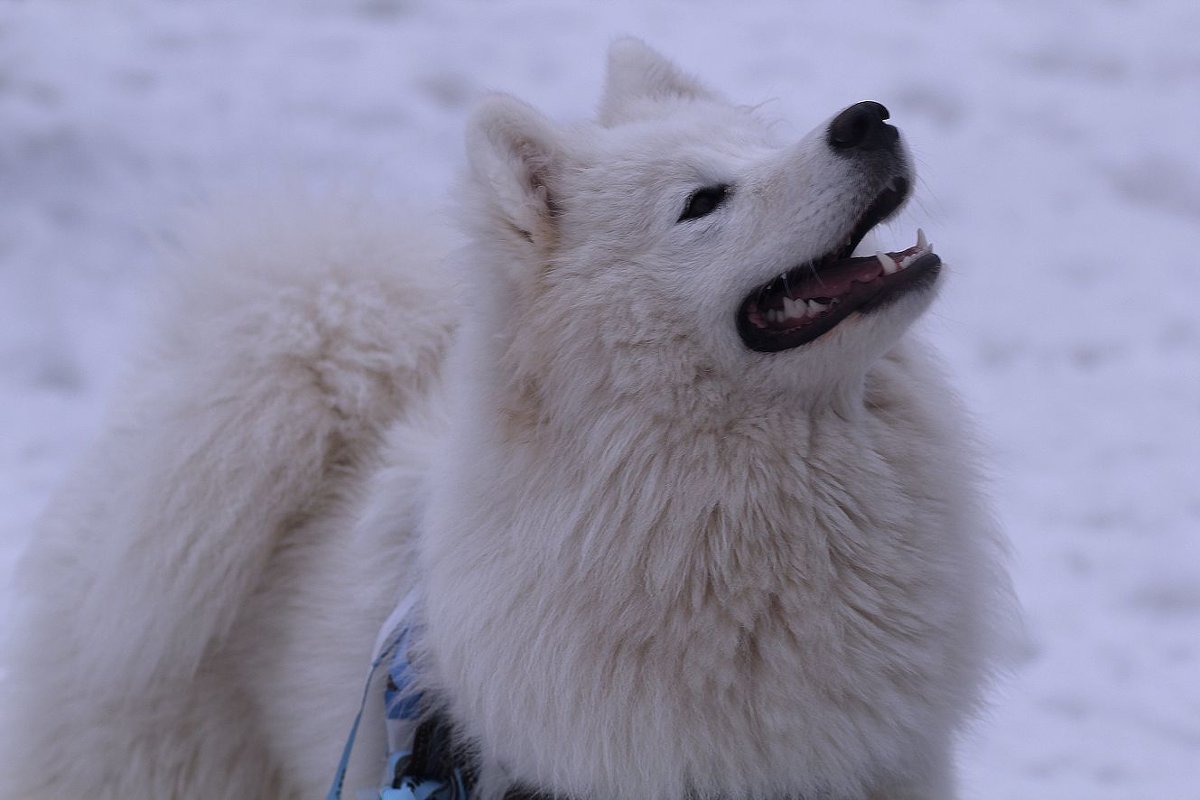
<point x="285" y="347"/>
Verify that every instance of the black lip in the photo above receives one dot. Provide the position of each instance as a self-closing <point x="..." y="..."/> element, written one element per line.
<point x="862" y="298"/>
<point x="865" y="297"/>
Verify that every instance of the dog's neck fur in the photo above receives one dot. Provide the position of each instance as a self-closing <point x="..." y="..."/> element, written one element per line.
<point x="752" y="571"/>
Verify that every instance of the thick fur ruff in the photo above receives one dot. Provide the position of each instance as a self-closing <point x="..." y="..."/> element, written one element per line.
<point x="654" y="563"/>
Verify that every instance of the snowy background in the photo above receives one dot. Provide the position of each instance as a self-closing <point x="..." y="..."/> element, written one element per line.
<point x="1059" y="150"/>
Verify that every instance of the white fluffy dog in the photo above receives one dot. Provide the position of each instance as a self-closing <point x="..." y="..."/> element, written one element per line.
<point x="690" y="513"/>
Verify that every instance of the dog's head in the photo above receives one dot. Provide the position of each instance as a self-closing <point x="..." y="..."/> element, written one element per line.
<point x="678" y="244"/>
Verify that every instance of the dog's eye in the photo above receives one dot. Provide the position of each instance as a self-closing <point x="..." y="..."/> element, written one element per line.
<point x="704" y="201"/>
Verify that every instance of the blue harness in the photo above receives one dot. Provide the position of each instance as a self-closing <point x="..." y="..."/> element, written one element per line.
<point x="421" y="754"/>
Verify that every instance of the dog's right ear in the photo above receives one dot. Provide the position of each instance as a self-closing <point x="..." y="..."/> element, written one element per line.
<point x="516" y="161"/>
<point x="640" y="76"/>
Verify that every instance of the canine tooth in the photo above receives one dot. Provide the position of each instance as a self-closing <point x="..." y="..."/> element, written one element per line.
<point x="922" y="242"/>
<point x="889" y="266"/>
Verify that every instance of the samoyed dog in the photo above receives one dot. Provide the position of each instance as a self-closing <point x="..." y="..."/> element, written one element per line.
<point x="689" y="511"/>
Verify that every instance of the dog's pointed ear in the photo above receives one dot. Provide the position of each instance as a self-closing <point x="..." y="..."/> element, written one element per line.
<point x="638" y="76"/>
<point x="516" y="159"/>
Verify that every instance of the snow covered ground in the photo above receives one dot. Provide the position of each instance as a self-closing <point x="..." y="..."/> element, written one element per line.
<point x="1058" y="148"/>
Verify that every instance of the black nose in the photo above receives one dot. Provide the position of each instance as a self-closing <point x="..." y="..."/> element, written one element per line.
<point x="861" y="127"/>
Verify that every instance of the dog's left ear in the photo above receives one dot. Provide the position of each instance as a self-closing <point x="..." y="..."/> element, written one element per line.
<point x="638" y="77"/>
<point x="516" y="160"/>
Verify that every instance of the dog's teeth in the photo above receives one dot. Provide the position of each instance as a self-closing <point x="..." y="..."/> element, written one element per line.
<point x="909" y="259"/>
<point x="815" y="308"/>
<point x="889" y="266"/>
<point x="922" y="242"/>
<point x="790" y="308"/>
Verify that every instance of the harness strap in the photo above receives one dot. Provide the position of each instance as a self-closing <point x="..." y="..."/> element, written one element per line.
<point x="427" y="760"/>
<point x="393" y="632"/>
<point x="339" y="778"/>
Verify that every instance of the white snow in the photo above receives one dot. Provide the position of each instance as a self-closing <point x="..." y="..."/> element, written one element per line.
<point x="1058" y="145"/>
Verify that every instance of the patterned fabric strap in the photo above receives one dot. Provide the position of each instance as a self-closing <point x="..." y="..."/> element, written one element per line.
<point x="390" y="646"/>
<point x="339" y="778"/>
<point x="426" y="760"/>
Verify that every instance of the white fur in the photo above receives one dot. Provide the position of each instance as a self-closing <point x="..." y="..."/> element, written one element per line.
<point x="655" y="563"/>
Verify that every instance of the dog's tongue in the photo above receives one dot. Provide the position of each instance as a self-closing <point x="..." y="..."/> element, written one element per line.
<point x="834" y="279"/>
<point x="805" y="302"/>
<point x="797" y="297"/>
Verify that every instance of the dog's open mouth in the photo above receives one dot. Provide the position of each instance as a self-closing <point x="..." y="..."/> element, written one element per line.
<point x="811" y="299"/>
